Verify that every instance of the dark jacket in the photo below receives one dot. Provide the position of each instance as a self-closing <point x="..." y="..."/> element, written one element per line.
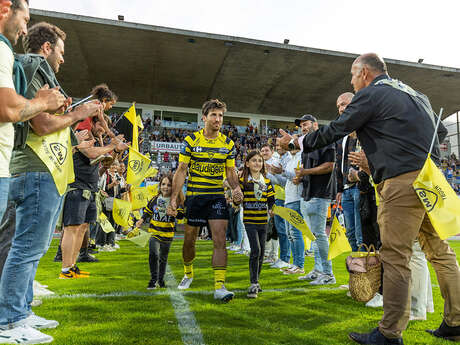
<point x="394" y="128"/>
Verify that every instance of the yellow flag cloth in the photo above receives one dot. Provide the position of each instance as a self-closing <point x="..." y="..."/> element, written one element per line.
<point x="138" y="166"/>
<point x="121" y="211"/>
<point x="296" y="221"/>
<point x="105" y="224"/>
<point x="139" y="237"/>
<point x="132" y="117"/>
<point x="139" y="122"/>
<point x="338" y="242"/>
<point x="139" y="197"/>
<point x="55" y="151"/>
<point x="152" y="172"/>
<point x="439" y="199"/>
<point x="153" y="190"/>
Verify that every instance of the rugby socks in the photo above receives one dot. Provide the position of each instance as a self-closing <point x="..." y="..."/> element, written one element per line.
<point x="188" y="269"/>
<point x="219" y="276"/>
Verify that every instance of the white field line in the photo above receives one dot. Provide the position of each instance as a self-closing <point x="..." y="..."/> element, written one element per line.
<point x="168" y="291"/>
<point x="188" y="326"/>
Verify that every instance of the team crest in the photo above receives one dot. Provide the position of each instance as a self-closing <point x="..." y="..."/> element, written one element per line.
<point x="59" y="151"/>
<point x="211" y="154"/>
<point x="136" y="165"/>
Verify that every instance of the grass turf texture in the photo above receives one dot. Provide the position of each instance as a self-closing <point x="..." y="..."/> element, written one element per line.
<point x="296" y="314"/>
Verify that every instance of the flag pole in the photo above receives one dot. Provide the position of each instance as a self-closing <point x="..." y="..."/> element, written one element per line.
<point x="435" y="131"/>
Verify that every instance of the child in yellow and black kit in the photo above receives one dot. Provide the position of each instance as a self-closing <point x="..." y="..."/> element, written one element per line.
<point x="162" y="227"/>
<point x="258" y="200"/>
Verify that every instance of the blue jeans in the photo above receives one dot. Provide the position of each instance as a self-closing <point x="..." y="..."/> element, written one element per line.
<point x="295" y="238"/>
<point x="38" y="205"/>
<point x="4" y="187"/>
<point x="350" y="206"/>
<point x="280" y="225"/>
<point x="315" y="213"/>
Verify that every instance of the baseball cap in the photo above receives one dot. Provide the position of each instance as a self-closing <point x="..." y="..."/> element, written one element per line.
<point x="306" y="117"/>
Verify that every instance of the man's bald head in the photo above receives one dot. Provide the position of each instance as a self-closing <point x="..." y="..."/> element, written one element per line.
<point x="365" y="69"/>
<point x="343" y="100"/>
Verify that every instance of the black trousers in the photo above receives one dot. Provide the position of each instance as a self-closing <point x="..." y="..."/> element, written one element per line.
<point x="257" y="235"/>
<point x="369" y="226"/>
<point x="158" y="258"/>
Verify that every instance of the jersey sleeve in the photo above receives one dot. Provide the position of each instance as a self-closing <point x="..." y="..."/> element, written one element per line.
<point x="270" y="195"/>
<point x="230" y="161"/>
<point x="186" y="152"/>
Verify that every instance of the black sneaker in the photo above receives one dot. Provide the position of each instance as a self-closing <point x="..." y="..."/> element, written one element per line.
<point x="253" y="291"/>
<point x="446" y="332"/>
<point x="161" y="283"/>
<point x="259" y="289"/>
<point x="87" y="258"/>
<point x="58" y="258"/>
<point x="374" y="338"/>
<point x="152" y="285"/>
<point x="93" y="251"/>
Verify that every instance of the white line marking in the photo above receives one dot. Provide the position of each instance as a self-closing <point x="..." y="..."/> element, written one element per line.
<point x="168" y="292"/>
<point x="188" y="326"/>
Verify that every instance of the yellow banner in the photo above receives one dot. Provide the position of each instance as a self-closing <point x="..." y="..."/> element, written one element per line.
<point x="439" y="199"/>
<point x="296" y="221"/>
<point x="338" y="241"/>
<point x="152" y="172"/>
<point x="104" y="223"/>
<point x="132" y="117"/>
<point x="139" y="197"/>
<point x="138" y="166"/>
<point x="55" y="151"/>
<point x="121" y="211"/>
<point x="153" y="190"/>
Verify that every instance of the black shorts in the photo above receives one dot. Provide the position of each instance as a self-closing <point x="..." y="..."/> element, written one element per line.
<point x="78" y="210"/>
<point x="199" y="209"/>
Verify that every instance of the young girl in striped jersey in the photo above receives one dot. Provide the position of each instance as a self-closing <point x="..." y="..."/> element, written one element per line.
<point x="162" y="227"/>
<point x="259" y="198"/>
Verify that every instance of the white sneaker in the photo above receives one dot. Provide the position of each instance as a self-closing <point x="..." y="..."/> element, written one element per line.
<point x="185" y="283"/>
<point x="234" y="248"/>
<point x="108" y="248"/>
<point x="40" y="290"/>
<point x="280" y="264"/>
<point x="36" y="283"/>
<point x="253" y="291"/>
<point x="376" y="301"/>
<point x="223" y="294"/>
<point x="39" y="322"/>
<point x="24" y="334"/>
<point x="312" y="275"/>
<point x="36" y="303"/>
<point x="324" y="279"/>
<point x="116" y="246"/>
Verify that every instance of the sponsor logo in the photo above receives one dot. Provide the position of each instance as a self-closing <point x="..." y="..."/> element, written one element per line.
<point x="209" y="168"/>
<point x="223" y="150"/>
<point x="59" y="151"/>
<point x="296" y="218"/>
<point x="197" y="149"/>
<point x="428" y="198"/>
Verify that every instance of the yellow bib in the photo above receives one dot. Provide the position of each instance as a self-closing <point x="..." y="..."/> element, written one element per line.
<point x="55" y="151"/>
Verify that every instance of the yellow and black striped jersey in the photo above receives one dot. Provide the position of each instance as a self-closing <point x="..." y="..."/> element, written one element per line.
<point x="161" y="226"/>
<point x="207" y="160"/>
<point x="257" y="201"/>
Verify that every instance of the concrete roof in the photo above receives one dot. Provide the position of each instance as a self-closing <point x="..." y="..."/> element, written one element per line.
<point x="165" y="66"/>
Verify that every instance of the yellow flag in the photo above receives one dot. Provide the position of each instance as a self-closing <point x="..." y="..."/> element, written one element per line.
<point x="153" y="190"/>
<point x="338" y="241"/>
<point x="296" y="221"/>
<point x="139" y="197"/>
<point x="152" y="172"/>
<point x="55" y="151"/>
<point x="132" y="117"/>
<point x="121" y="211"/>
<point x="140" y="124"/>
<point x="139" y="237"/>
<point x="104" y="223"/>
<point x="138" y="166"/>
<point x="439" y="199"/>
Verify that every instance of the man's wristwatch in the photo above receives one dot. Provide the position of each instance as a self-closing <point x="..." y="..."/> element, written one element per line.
<point x="291" y="145"/>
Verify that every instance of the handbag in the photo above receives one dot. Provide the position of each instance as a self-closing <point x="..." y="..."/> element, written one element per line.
<point x="365" y="273"/>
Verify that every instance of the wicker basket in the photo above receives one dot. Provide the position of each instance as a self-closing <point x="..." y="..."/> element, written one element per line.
<point x="364" y="285"/>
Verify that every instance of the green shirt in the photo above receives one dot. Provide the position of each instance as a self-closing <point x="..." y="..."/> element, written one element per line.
<point x="25" y="160"/>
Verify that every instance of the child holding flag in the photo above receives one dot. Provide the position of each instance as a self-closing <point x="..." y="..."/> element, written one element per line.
<point x="258" y="200"/>
<point x="162" y="226"/>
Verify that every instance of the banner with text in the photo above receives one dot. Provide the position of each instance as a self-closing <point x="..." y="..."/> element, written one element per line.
<point x="166" y="146"/>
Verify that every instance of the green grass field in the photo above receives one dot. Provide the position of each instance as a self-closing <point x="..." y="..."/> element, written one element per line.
<point x="114" y="307"/>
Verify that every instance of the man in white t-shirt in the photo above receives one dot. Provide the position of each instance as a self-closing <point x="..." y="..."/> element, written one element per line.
<point x="13" y="107"/>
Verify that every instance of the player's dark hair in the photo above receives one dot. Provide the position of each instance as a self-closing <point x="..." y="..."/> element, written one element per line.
<point x="213" y="104"/>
